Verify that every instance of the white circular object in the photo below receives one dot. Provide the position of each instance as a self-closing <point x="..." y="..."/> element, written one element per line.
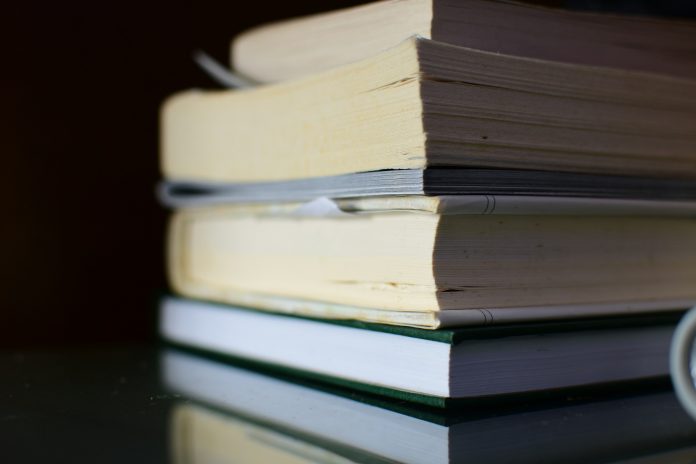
<point x="680" y="362"/>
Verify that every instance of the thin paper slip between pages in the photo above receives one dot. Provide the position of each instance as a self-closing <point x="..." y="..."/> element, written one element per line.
<point x="321" y="207"/>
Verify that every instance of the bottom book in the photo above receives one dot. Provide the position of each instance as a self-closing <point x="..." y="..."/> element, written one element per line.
<point x="244" y="416"/>
<point x="426" y="366"/>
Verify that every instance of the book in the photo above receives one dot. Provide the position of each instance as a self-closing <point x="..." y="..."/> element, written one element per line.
<point x="237" y="412"/>
<point x="249" y="200"/>
<point x="429" y="367"/>
<point x="429" y="268"/>
<point x="424" y="104"/>
<point x="562" y="191"/>
<point x="301" y="46"/>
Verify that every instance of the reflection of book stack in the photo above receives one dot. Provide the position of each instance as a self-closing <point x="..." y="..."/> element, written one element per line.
<point x="258" y="416"/>
<point x="416" y="182"/>
<point x="202" y="436"/>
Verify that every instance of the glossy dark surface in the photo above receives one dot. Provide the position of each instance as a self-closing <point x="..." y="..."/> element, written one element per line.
<point x="109" y="405"/>
<point x="86" y="405"/>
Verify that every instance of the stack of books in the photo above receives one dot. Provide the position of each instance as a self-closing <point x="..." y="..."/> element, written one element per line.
<point x="439" y="200"/>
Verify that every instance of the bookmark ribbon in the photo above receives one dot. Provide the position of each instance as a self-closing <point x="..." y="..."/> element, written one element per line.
<point x="220" y="73"/>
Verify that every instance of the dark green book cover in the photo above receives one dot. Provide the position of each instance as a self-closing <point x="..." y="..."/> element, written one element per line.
<point x="448" y="336"/>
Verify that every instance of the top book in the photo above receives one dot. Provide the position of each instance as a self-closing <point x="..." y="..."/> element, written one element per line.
<point x="304" y="46"/>
<point x="423" y="103"/>
<point x="426" y="104"/>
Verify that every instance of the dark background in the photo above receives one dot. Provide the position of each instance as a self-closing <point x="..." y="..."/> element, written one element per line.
<point x="81" y="238"/>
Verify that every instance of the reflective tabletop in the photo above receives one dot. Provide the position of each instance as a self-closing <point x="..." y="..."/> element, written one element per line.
<point x="157" y="404"/>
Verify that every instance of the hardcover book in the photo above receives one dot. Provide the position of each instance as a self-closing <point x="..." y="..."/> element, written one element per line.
<point x="430" y="367"/>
